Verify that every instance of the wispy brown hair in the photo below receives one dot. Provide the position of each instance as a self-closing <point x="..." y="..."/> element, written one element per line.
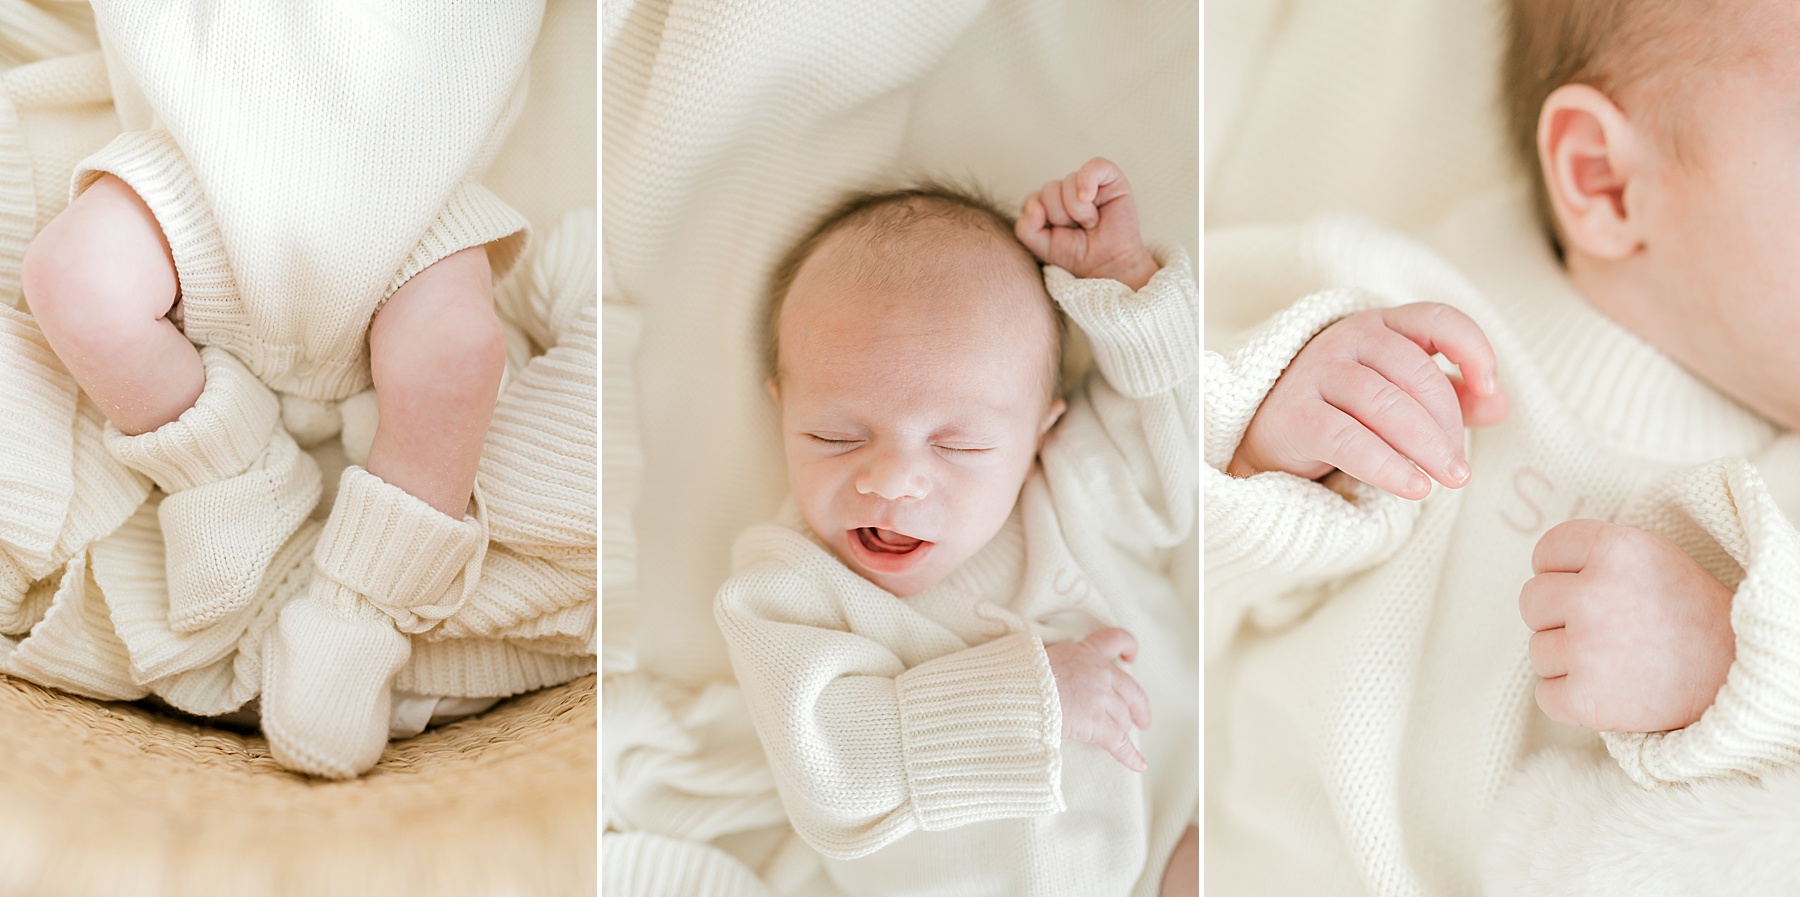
<point x="888" y="212"/>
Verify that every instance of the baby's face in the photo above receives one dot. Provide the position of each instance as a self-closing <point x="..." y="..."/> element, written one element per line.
<point x="1726" y="249"/>
<point x="913" y="400"/>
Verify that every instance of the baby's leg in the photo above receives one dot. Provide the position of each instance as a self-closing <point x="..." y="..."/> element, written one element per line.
<point x="100" y="281"/>
<point x="389" y="558"/>
<point x="436" y="352"/>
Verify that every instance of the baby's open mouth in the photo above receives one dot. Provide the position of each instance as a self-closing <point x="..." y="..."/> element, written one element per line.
<point x="886" y="541"/>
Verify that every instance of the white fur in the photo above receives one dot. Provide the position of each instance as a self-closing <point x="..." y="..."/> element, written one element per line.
<point x="1574" y="824"/>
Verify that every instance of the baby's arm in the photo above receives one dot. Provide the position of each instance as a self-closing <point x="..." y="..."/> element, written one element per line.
<point x="1135" y="424"/>
<point x="877" y="722"/>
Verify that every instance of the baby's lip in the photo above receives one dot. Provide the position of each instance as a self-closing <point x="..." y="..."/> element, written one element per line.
<point x="884" y="550"/>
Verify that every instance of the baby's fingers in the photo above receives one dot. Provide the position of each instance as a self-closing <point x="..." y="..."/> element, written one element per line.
<point x="1397" y="418"/>
<point x="1080" y="207"/>
<point x="1031" y="227"/>
<point x="1135" y="700"/>
<point x="1113" y="643"/>
<point x="1438" y="328"/>
<point x="1347" y="445"/>
<point x="1100" y="181"/>
<point x="1054" y="210"/>
<point x="1119" y="744"/>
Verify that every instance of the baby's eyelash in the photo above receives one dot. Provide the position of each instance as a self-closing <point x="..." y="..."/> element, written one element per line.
<point x="966" y="451"/>
<point x="817" y="438"/>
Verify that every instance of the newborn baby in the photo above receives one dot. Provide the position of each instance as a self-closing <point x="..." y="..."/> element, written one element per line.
<point x="929" y="638"/>
<point x="189" y="280"/>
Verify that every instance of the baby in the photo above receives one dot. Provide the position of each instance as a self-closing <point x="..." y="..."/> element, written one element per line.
<point x="176" y="302"/>
<point x="929" y="638"/>
<point x="1643" y="309"/>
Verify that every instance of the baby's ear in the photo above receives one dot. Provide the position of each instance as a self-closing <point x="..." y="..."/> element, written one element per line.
<point x="774" y="387"/>
<point x="1590" y="151"/>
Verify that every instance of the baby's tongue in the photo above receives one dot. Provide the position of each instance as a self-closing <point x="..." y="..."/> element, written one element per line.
<point x="892" y="540"/>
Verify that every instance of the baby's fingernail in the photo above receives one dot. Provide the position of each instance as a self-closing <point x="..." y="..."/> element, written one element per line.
<point x="1488" y="383"/>
<point x="1418" y="483"/>
<point x="1459" y="471"/>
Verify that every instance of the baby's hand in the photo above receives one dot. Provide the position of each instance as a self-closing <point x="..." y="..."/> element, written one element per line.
<point x="1087" y="225"/>
<point x="1365" y="397"/>
<point x="1100" y="702"/>
<point x="1631" y="634"/>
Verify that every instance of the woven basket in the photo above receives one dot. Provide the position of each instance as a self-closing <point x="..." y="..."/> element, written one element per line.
<point x="112" y="800"/>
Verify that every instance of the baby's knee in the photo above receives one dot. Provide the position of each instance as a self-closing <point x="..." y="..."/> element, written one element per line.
<point x="101" y="260"/>
<point x="450" y="346"/>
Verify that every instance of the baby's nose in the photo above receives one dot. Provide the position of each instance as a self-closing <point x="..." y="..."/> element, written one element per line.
<point x="893" y="476"/>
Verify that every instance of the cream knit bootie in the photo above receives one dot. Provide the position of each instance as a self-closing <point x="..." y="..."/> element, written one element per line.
<point x="385" y="561"/>
<point x="238" y="488"/>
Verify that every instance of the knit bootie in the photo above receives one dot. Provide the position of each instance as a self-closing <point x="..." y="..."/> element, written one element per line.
<point x="238" y="488"/>
<point x="385" y="561"/>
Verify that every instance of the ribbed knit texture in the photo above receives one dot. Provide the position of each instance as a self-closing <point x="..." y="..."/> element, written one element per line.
<point x="403" y="556"/>
<point x="238" y="490"/>
<point x="653" y="865"/>
<point x="1375" y="692"/>
<point x="918" y="740"/>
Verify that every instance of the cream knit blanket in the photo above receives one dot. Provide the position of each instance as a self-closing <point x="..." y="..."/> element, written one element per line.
<point x="83" y="596"/>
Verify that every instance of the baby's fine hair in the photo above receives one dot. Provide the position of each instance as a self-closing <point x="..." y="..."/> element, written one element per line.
<point x="887" y="212"/>
<point x="1610" y="45"/>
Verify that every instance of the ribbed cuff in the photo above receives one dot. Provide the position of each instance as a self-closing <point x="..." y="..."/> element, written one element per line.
<point x="400" y="553"/>
<point x="219" y="437"/>
<point x="1753" y="724"/>
<point x="1236" y="386"/>
<point x="153" y="166"/>
<point x="472" y="216"/>
<point x="1145" y="341"/>
<point x="981" y="734"/>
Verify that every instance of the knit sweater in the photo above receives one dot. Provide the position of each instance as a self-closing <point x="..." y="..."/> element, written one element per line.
<point x="1370" y="682"/>
<point x="916" y="742"/>
<point x="84" y="597"/>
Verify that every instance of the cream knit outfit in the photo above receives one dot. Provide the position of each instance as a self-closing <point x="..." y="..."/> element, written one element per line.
<point x="916" y="742"/>
<point x="1369" y="683"/>
<point x="288" y="227"/>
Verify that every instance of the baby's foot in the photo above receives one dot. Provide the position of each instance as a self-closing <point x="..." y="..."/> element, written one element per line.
<point x="387" y="564"/>
<point x="327" y="677"/>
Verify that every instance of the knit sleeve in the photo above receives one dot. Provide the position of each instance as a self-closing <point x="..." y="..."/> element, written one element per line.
<point x="1126" y="447"/>
<point x="877" y="722"/>
<point x="1724" y="515"/>
<point x="1273" y="533"/>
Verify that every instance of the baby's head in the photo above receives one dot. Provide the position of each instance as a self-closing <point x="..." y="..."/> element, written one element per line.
<point x="1663" y="140"/>
<point x="915" y="357"/>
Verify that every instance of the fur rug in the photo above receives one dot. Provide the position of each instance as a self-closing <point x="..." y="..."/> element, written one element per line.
<point x="1574" y="824"/>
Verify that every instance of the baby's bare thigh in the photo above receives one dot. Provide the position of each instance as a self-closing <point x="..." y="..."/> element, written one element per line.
<point x="104" y="255"/>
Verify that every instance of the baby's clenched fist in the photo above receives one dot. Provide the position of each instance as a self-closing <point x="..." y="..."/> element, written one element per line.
<point x="1366" y="398"/>
<point x="1630" y="633"/>
<point x="1100" y="701"/>
<point x="1087" y="225"/>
